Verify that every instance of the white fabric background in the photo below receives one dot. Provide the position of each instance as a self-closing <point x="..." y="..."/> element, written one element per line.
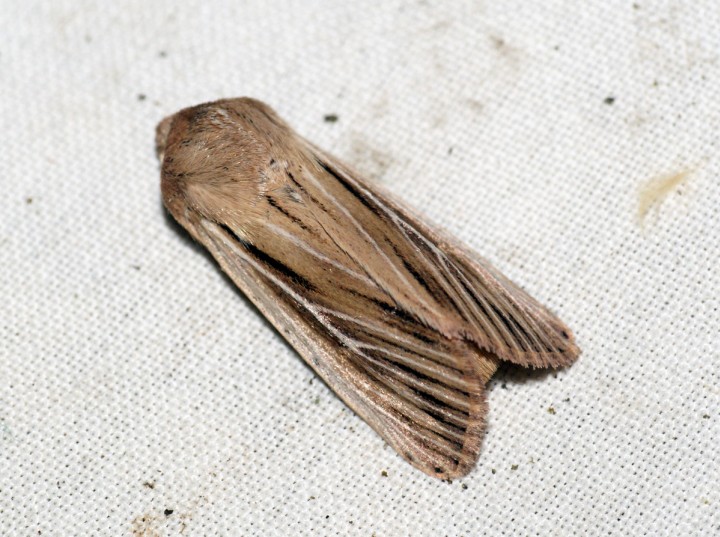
<point x="135" y="380"/>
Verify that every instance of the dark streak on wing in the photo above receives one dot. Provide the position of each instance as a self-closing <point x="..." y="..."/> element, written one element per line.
<point x="418" y="375"/>
<point x="435" y="289"/>
<point x="397" y="311"/>
<point x="271" y="262"/>
<point x="294" y="219"/>
<point x="446" y="432"/>
<point x="513" y="328"/>
<point x="304" y="191"/>
<point x="428" y="341"/>
<point x="351" y="188"/>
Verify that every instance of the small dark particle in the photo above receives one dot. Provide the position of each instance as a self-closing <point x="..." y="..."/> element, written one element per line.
<point x="566" y="400"/>
<point x="28" y="201"/>
<point x="438" y="470"/>
<point x="504" y="386"/>
<point x="493" y="470"/>
<point x="498" y="42"/>
<point x="311" y="498"/>
<point x="464" y="486"/>
<point x="384" y="473"/>
<point x="450" y="150"/>
<point x="514" y="467"/>
<point x="149" y="484"/>
<point x="706" y="416"/>
<point x="448" y="481"/>
<point x="551" y="410"/>
<point x="327" y="516"/>
<point x="141" y="97"/>
<point x="331" y="118"/>
<point x="609" y="100"/>
<point x="136" y="267"/>
<point x="169" y="512"/>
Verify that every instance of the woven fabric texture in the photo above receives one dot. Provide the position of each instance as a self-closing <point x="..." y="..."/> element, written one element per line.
<point x="573" y="144"/>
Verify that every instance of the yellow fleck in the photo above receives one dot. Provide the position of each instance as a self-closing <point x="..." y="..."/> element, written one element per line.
<point x="655" y="191"/>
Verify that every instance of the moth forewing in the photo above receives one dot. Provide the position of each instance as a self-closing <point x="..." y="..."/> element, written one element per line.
<point x="401" y="321"/>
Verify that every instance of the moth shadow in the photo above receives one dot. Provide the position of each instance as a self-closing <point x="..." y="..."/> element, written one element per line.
<point x="509" y="373"/>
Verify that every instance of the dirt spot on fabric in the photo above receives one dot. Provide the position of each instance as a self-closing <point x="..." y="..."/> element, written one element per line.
<point x="145" y="526"/>
<point x="369" y="159"/>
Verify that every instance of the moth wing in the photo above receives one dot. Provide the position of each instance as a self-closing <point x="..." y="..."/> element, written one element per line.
<point x="425" y="398"/>
<point x="530" y="334"/>
<point x="487" y="307"/>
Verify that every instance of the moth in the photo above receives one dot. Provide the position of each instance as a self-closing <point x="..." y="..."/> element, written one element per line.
<point x="402" y="321"/>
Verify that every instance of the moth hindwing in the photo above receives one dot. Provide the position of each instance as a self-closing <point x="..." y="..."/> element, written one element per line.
<point x="404" y="323"/>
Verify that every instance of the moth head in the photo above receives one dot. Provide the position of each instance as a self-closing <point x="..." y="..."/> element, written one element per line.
<point x="216" y="161"/>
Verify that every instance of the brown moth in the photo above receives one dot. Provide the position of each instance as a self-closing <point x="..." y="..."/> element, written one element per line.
<point x="405" y="324"/>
